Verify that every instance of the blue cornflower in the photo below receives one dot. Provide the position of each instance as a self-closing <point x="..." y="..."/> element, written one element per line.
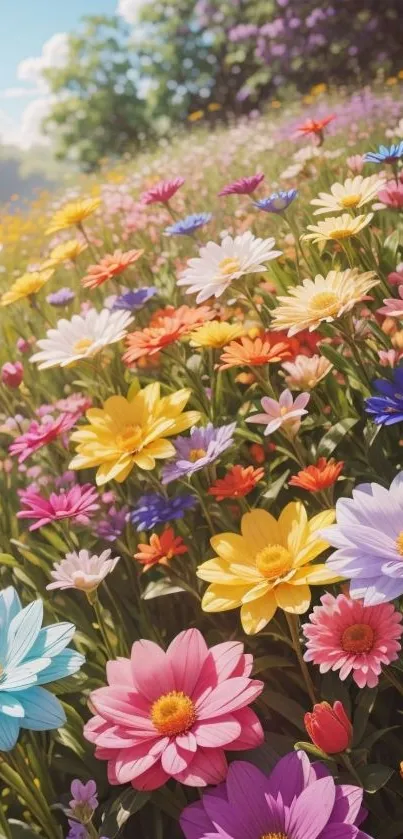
<point x="385" y="154"/>
<point x="61" y="297"/>
<point x="186" y="226"/>
<point x="133" y="300"/>
<point x="387" y="408"/>
<point x="277" y="202"/>
<point x="153" y="509"/>
<point x="30" y="657"/>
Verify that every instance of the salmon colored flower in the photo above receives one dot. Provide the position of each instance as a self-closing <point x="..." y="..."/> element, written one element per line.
<point x="160" y="550"/>
<point x="152" y="339"/>
<point x="239" y="481"/>
<point x="254" y="352"/>
<point x="315" y="127"/>
<point x="110" y="266"/>
<point x="329" y="728"/>
<point x="189" y="316"/>
<point x="315" y="478"/>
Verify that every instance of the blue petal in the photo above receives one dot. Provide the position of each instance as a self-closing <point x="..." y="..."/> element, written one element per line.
<point x="10" y="705"/>
<point x="43" y="711"/>
<point x="64" y="664"/>
<point x="9" y="731"/>
<point x="52" y="640"/>
<point x="9" y="607"/>
<point x="22" y="632"/>
<point x="22" y="677"/>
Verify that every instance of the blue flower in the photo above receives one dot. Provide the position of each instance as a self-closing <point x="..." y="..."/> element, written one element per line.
<point x="133" y="300"/>
<point x="30" y="657"/>
<point x="387" y="408"/>
<point x="203" y="447"/>
<point x="61" y="297"/>
<point x="153" y="509"/>
<point x="385" y="154"/>
<point x="186" y="226"/>
<point x="277" y="202"/>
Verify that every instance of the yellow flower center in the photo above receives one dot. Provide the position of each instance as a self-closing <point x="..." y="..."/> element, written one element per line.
<point x="399" y="543"/>
<point x="343" y="233"/>
<point x="173" y="713"/>
<point x="130" y="438"/>
<point x="358" y="638"/>
<point x="229" y="265"/>
<point x="325" y="301"/>
<point x="196" y="454"/>
<point x="350" y="200"/>
<point x="274" y="836"/>
<point x="82" y="345"/>
<point x="273" y="561"/>
<point x="283" y="411"/>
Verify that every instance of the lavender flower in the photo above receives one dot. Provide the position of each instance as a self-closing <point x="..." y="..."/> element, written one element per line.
<point x="61" y="297"/>
<point x="153" y="509"/>
<point x="84" y="801"/>
<point x="203" y="447"/>
<point x="277" y="202"/>
<point x="131" y="301"/>
<point x="112" y="527"/>
<point x="187" y="226"/>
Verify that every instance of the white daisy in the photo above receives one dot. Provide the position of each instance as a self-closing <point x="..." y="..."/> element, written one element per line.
<point x="81" y="337"/>
<point x="212" y="272"/>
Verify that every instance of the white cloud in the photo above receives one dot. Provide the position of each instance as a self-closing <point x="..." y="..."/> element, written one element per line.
<point x="54" y="54"/>
<point x="19" y="92"/>
<point x="129" y="9"/>
<point x="30" y="128"/>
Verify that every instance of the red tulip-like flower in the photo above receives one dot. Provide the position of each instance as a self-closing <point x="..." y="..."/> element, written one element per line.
<point x="12" y="374"/>
<point x="329" y="728"/>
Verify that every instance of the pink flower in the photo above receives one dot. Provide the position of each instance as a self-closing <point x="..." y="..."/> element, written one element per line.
<point x="76" y="403"/>
<point x="396" y="277"/>
<point x="172" y="714"/>
<point x="162" y="192"/>
<point x="345" y="635"/>
<point x="77" y="503"/>
<point x="392" y="195"/>
<point x="286" y="412"/>
<point x="393" y="308"/>
<point x="82" y="571"/>
<point x="24" y="346"/>
<point x="40" y="434"/>
<point x="244" y="186"/>
<point x="355" y="163"/>
<point x="12" y="374"/>
<point x="389" y="358"/>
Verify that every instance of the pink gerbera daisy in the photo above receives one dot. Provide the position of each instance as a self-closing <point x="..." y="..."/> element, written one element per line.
<point x="345" y="635"/>
<point x="77" y="503"/>
<point x="172" y="714"/>
<point x="162" y="192"/>
<point x="244" y="186"/>
<point x="40" y="434"/>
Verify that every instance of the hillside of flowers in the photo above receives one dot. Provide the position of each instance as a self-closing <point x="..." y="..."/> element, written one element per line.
<point x="201" y="469"/>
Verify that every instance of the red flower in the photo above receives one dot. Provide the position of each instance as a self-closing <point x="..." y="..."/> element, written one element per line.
<point x="314" y="478"/>
<point x="160" y="550"/>
<point x="312" y="126"/>
<point x="109" y="266"/>
<point x="329" y="728"/>
<point x="239" y="481"/>
<point x="162" y="192"/>
<point x="12" y="374"/>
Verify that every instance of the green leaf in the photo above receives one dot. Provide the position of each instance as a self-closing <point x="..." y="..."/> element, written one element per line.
<point x="7" y="559"/>
<point x="127" y="803"/>
<point x="374" y="776"/>
<point x="332" y="438"/>
<point x="276" y="487"/>
<point x="362" y="713"/>
<point x="158" y="588"/>
<point x="312" y="750"/>
<point x="286" y="707"/>
<point x="264" y="662"/>
<point x="21" y="830"/>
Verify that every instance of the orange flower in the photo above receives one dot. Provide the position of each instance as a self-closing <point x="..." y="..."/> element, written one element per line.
<point x="321" y="476"/>
<point x="164" y="330"/>
<point x="312" y="126"/>
<point x="239" y="481"/>
<point x="248" y="352"/>
<point x="160" y="550"/>
<point x="190" y="317"/>
<point x="110" y="266"/>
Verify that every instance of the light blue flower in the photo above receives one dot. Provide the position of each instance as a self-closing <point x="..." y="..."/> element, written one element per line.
<point x="187" y="226"/>
<point x="385" y="154"/>
<point x="31" y="656"/>
<point x="277" y="202"/>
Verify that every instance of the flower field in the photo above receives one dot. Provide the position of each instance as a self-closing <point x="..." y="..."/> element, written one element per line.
<point x="201" y="477"/>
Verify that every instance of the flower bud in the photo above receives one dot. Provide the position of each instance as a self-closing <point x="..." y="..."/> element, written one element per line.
<point x="329" y="728"/>
<point x="12" y="374"/>
<point x="24" y="346"/>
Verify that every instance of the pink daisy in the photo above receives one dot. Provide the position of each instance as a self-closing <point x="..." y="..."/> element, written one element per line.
<point x="162" y="192"/>
<point x="77" y="503"/>
<point x="392" y="307"/>
<point x="172" y="714"/>
<point x="244" y="186"/>
<point x="345" y="635"/>
<point x="40" y="434"/>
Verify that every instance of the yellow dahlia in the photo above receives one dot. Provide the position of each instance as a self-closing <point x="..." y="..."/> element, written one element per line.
<point x="66" y="251"/>
<point x="216" y="334"/>
<point x="267" y="566"/>
<point x="25" y="286"/>
<point x="322" y="299"/>
<point x="337" y="228"/>
<point x="354" y="193"/>
<point x="73" y="213"/>
<point x="130" y="432"/>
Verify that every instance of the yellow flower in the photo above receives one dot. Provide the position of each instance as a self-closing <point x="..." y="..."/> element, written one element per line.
<point x="130" y="432"/>
<point x="391" y="81"/>
<point x="214" y="106"/>
<point x="69" y="250"/>
<point x="317" y="89"/>
<point x="25" y="286"/>
<point x="73" y="213"/>
<point x="337" y="228"/>
<point x="195" y="116"/>
<point x="354" y="193"/>
<point x="268" y="566"/>
<point x="322" y="299"/>
<point x="400" y="74"/>
<point x="216" y="334"/>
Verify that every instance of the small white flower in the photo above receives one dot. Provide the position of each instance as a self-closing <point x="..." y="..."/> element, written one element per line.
<point x="82" y="571"/>
<point x="81" y="337"/>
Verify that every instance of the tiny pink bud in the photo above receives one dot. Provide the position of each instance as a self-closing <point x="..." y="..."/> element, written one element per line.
<point x="24" y="346"/>
<point x="12" y="374"/>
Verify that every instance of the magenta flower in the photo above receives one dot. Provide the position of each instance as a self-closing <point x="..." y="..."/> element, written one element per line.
<point x="285" y="412"/>
<point x="12" y="374"/>
<point x="162" y="192"/>
<point x="77" y="503"/>
<point x="172" y="714"/>
<point x="244" y="186"/>
<point x="392" y="195"/>
<point x="392" y="307"/>
<point x="40" y="434"/>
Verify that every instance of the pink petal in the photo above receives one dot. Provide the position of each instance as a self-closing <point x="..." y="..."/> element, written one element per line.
<point x="119" y="706"/>
<point x="217" y="733"/>
<point x="187" y="654"/>
<point x="151" y="779"/>
<point x="207" y="767"/>
<point x="151" y="669"/>
<point x="174" y="759"/>
<point x="187" y="741"/>
<point x="228" y="696"/>
<point x="251" y="734"/>
<point x="227" y="657"/>
<point x="134" y="761"/>
<point x="119" y="672"/>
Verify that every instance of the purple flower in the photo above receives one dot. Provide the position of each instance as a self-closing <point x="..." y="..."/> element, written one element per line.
<point x="61" y="297"/>
<point x="153" y="509"/>
<point x="296" y="801"/>
<point x="203" y="447"/>
<point x="112" y="527"/>
<point x="187" y="226"/>
<point x="77" y="830"/>
<point x="131" y="301"/>
<point x="84" y="801"/>
<point x="368" y="535"/>
<point x="277" y="202"/>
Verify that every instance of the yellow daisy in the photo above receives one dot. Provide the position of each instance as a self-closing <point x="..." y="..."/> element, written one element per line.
<point x="66" y="251"/>
<point x="322" y="299"/>
<point x="267" y="566"/>
<point x="73" y="213"/>
<point x="354" y="193"/>
<point x="337" y="228"/>
<point x="130" y="432"/>
<point x="25" y="286"/>
<point x="216" y="334"/>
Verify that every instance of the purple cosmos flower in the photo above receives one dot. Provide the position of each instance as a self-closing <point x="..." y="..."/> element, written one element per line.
<point x="187" y="226"/>
<point x="112" y="527"/>
<point x="277" y="202"/>
<point x="368" y="535"/>
<point x="153" y="509"/>
<point x="131" y="301"/>
<point x="84" y="800"/>
<point x="296" y="801"/>
<point x="203" y="447"/>
<point x="244" y="186"/>
<point x="61" y="297"/>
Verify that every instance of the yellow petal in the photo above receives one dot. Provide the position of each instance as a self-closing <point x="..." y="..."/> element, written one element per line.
<point x="218" y="571"/>
<point x="310" y="551"/>
<point x="294" y="599"/>
<point x="230" y="546"/>
<point x="143" y="460"/>
<point x="173" y="404"/>
<point x="256" y="615"/>
<point x="185" y="421"/>
<point x="315" y="575"/>
<point x="323" y="519"/>
<point x="261" y="588"/>
<point x="259" y="529"/>
<point x="222" y="598"/>
<point x="160" y="448"/>
<point x="117" y="470"/>
<point x="292" y="524"/>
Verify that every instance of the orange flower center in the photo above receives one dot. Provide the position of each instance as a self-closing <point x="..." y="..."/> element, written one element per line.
<point x="273" y="561"/>
<point x="358" y="638"/>
<point x="173" y="713"/>
<point x="196" y="454"/>
<point x="274" y="836"/>
<point x="82" y="345"/>
<point x="350" y="200"/>
<point x="229" y="265"/>
<point x="130" y="438"/>
<point x="325" y="301"/>
<point x="399" y="543"/>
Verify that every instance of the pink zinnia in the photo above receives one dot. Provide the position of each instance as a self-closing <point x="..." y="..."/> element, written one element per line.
<point x="172" y="714"/>
<point x="345" y="635"/>
<point x="40" y="434"/>
<point x="77" y="503"/>
<point x="244" y="186"/>
<point x="162" y="192"/>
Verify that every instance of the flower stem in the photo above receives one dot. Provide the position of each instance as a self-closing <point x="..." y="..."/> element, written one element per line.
<point x="101" y="623"/>
<point x="350" y="768"/>
<point x="293" y="625"/>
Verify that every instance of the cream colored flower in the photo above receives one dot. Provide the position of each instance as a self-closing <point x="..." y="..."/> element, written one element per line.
<point x="322" y="299"/>
<point x="216" y="334"/>
<point x="305" y="373"/>
<point x="354" y="193"/>
<point x="337" y="228"/>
